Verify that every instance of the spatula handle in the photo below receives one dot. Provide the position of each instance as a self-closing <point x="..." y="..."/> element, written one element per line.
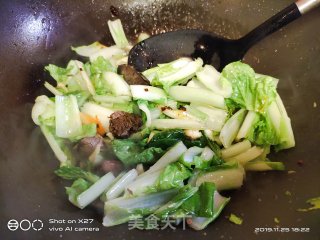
<point x="281" y="19"/>
<point x="305" y="6"/>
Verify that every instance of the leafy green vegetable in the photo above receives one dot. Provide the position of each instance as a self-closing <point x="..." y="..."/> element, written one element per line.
<point x="315" y="202"/>
<point x="263" y="132"/>
<point x="184" y="193"/>
<point x="88" y="130"/>
<point x="249" y="92"/>
<point x="130" y="107"/>
<point x="173" y="73"/>
<point x="199" y="223"/>
<point x="187" y="158"/>
<point x="81" y="96"/>
<point x="78" y="186"/>
<point x="172" y="177"/>
<point x="276" y="220"/>
<point x="201" y="163"/>
<point x="73" y="173"/>
<point x="235" y="219"/>
<point x="101" y="65"/>
<point x="265" y="92"/>
<point x="132" y="152"/>
<point x="58" y="73"/>
<point x="121" y="210"/>
<point x="213" y="145"/>
<point x="168" y="138"/>
<point x="201" y="203"/>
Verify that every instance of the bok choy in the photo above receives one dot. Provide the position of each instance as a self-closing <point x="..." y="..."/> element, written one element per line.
<point x="160" y="143"/>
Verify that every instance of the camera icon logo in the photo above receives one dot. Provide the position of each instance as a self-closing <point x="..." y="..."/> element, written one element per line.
<point x="13" y="225"/>
<point x="25" y="225"/>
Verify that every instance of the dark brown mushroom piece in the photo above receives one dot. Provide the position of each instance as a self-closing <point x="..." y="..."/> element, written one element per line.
<point x="113" y="166"/>
<point x="123" y="124"/>
<point x="131" y="76"/>
<point x="87" y="145"/>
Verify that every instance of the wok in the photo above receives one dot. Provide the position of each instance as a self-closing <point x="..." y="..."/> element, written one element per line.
<point x="35" y="33"/>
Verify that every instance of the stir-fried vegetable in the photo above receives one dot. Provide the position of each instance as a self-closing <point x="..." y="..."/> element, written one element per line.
<point x="163" y="142"/>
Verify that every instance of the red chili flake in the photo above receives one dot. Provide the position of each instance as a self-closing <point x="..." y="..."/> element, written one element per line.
<point x="182" y="108"/>
<point x="165" y="108"/>
<point x="189" y="221"/>
<point x="300" y="163"/>
<point x="114" y="11"/>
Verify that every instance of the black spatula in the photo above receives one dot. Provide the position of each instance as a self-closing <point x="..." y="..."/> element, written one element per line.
<point x="211" y="48"/>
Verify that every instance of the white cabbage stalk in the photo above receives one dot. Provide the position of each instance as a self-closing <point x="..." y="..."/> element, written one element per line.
<point x="184" y="73"/>
<point x="187" y="157"/>
<point x="43" y="107"/>
<point x="179" y="114"/>
<point x="170" y="156"/>
<point x="275" y="116"/>
<point x="195" y="83"/>
<point x="196" y="95"/>
<point x="140" y="168"/>
<point x="224" y="179"/>
<point x="86" y="81"/>
<point x="286" y="132"/>
<point x="193" y="134"/>
<point x="178" y="71"/>
<point x="230" y="129"/>
<point x="117" y="84"/>
<point x="121" y="210"/>
<point x="143" y="107"/>
<point x="246" y="156"/>
<point x="177" y="123"/>
<point x="61" y="156"/>
<point x="52" y="89"/>
<point x="94" y="191"/>
<point x="94" y="110"/>
<point x="143" y="36"/>
<point x="194" y="112"/>
<point x="210" y="78"/>
<point x="118" y="188"/>
<point x="117" y="33"/>
<point x="251" y="119"/>
<point x="111" y="99"/>
<point x="235" y="149"/>
<point x="68" y="121"/>
<point x="108" y="53"/>
<point x="216" y="117"/>
<point x="155" y="113"/>
<point x="264" y="166"/>
<point x="148" y="93"/>
<point x="143" y="183"/>
<point x="207" y="154"/>
<point x="87" y="51"/>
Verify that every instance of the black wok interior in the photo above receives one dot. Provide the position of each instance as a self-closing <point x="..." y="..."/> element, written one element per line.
<point x="35" y="33"/>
